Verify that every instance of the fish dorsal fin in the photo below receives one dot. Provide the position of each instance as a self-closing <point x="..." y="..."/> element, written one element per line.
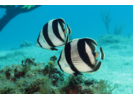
<point x="91" y="40"/>
<point x="62" y="23"/>
<point x="90" y="44"/>
<point x="61" y="20"/>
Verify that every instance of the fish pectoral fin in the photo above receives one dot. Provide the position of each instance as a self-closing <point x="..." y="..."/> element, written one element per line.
<point x="54" y="49"/>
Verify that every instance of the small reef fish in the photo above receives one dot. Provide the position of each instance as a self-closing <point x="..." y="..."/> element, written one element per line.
<point x="80" y="55"/>
<point x="53" y="34"/>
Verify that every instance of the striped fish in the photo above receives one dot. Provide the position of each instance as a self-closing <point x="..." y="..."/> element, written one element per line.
<point x="53" y="34"/>
<point x="79" y="56"/>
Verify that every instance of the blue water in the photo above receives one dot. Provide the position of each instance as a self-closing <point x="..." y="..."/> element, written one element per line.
<point x="84" y="20"/>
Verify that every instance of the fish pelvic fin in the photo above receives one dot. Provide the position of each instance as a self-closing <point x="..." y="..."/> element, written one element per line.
<point x="53" y="49"/>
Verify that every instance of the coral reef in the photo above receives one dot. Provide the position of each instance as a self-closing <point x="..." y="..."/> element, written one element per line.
<point x="44" y="78"/>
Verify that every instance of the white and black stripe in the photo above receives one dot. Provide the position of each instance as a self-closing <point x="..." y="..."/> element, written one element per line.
<point x="78" y="56"/>
<point x="52" y="34"/>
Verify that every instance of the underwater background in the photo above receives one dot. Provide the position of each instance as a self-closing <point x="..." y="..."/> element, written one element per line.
<point x="18" y="37"/>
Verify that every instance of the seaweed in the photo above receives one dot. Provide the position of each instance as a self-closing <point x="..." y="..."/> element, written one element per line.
<point x="117" y="30"/>
<point x="106" y="19"/>
<point x="44" y="78"/>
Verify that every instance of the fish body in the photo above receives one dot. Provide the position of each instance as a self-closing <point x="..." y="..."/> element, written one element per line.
<point x="79" y="56"/>
<point x="53" y="34"/>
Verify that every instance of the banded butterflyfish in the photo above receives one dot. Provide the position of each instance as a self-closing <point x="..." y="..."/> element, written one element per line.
<point x="80" y="55"/>
<point x="53" y="34"/>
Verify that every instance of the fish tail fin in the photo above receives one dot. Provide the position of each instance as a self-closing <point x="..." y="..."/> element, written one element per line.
<point x="69" y="29"/>
<point x="100" y="54"/>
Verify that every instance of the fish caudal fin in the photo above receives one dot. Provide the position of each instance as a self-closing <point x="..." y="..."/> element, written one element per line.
<point x="100" y="54"/>
<point x="69" y="30"/>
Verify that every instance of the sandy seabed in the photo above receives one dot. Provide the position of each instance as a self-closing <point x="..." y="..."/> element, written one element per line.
<point x="116" y="68"/>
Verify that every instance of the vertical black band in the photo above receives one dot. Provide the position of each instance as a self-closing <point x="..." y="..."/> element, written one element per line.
<point x="68" y="57"/>
<point x="55" y="29"/>
<point x="82" y="53"/>
<point x="45" y="34"/>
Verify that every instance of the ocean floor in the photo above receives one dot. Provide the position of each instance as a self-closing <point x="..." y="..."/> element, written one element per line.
<point x="116" y="68"/>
